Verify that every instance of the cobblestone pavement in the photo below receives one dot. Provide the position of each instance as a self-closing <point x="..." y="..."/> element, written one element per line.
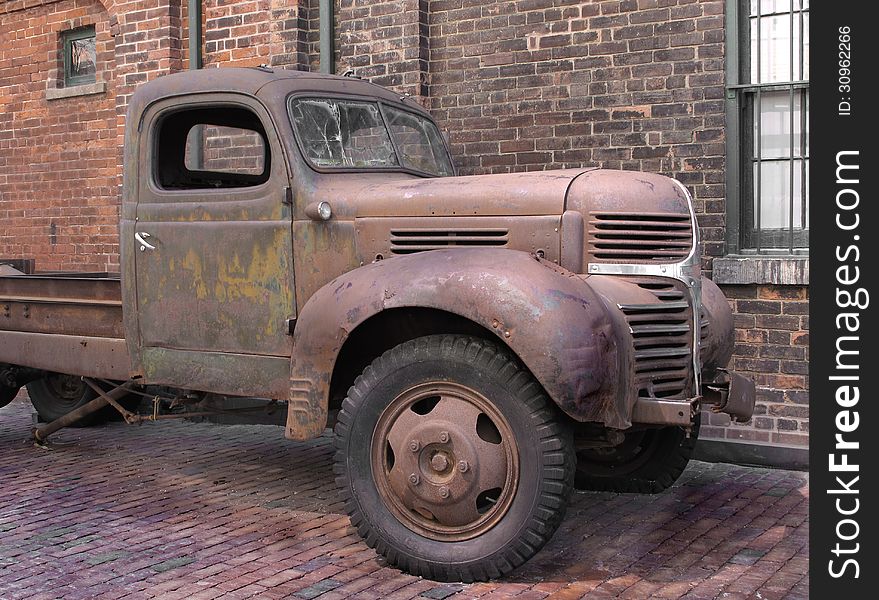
<point x="197" y="510"/>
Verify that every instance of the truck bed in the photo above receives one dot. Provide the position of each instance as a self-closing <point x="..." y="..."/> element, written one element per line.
<point x="66" y="322"/>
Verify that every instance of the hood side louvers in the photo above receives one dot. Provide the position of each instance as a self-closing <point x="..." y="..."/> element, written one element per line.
<point x="409" y="241"/>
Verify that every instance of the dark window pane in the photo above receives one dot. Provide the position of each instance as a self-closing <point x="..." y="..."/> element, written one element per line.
<point x="775" y="125"/>
<point x="78" y="47"/>
<point x="82" y="58"/>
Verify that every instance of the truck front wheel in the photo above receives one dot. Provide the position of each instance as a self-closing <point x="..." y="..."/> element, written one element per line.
<point x="452" y="460"/>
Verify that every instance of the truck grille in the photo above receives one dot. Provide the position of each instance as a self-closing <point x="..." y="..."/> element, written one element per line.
<point x="409" y="241"/>
<point x="663" y="339"/>
<point x="635" y="237"/>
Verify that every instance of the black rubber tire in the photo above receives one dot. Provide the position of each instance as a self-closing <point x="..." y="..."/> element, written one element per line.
<point x="546" y="457"/>
<point x="7" y="395"/>
<point x="648" y="464"/>
<point x="50" y="403"/>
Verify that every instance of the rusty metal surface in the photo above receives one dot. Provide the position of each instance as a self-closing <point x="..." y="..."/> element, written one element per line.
<point x="654" y="411"/>
<point x="368" y="206"/>
<point x="632" y="217"/>
<point x="731" y="393"/>
<point x="445" y="482"/>
<point x="385" y="237"/>
<point x="79" y="355"/>
<point x="218" y="284"/>
<point x="68" y="317"/>
<point x="718" y="336"/>
<point x="550" y="318"/>
<point x="61" y="303"/>
<point x="219" y="372"/>
<point x="60" y="287"/>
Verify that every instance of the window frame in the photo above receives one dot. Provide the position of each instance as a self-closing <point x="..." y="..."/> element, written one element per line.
<point x="153" y="141"/>
<point x="743" y="234"/>
<point x="67" y="39"/>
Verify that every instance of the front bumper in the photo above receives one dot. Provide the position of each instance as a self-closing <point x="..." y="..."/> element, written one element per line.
<point x="728" y="392"/>
<point x="732" y="394"/>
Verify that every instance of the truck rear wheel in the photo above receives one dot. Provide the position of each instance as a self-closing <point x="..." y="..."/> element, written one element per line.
<point x="56" y="394"/>
<point x="7" y="394"/>
<point x="453" y="462"/>
<point x="647" y="462"/>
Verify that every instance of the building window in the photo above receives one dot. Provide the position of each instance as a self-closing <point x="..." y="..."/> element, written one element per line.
<point x="78" y="47"/>
<point x="768" y="126"/>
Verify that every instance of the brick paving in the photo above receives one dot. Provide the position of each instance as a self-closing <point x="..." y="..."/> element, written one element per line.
<point x="201" y="511"/>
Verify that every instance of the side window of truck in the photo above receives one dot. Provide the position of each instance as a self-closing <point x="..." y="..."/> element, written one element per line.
<point x="215" y="147"/>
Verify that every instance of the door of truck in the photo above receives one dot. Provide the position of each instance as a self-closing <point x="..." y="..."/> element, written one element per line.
<point x="213" y="247"/>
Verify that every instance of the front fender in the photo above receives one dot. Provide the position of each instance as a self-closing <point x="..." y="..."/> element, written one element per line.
<point x="550" y="318"/>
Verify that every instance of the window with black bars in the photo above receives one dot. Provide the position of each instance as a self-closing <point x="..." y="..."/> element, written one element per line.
<point x="768" y="126"/>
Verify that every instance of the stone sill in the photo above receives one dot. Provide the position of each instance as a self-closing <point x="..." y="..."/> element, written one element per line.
<point x="777" y="270"/>
<point x="756" y="454"/>
<point x="77" y="90"/>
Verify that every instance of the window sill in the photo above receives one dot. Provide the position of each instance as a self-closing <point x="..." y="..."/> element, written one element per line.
<point x="88" y="89"/>
<point x="777" y="270"/>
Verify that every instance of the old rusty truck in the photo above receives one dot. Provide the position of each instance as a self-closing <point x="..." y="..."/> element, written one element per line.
<point x="481" y="344"/>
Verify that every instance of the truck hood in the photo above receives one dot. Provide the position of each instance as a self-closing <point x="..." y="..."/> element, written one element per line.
<point x="507" y="194"/>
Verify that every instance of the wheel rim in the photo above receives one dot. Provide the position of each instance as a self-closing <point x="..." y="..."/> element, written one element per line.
<point x="445" y="461"/>
<point x="68" y="390"/>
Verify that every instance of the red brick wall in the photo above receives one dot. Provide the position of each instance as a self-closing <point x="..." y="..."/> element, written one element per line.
<point x="58" y="175"/>
<point x="772" y="348"/>
<point x="247" y="33"/>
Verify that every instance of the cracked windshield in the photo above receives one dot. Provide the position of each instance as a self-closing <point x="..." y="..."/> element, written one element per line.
<point x="346" y="133"/>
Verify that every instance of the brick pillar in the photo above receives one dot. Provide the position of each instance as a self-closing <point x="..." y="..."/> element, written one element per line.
<point x="148" y="44"/>
<point x="290" y="29"/>
<point x="387" y="43"/>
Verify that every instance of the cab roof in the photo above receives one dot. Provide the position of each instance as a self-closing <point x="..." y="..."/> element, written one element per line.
<point x="254" y="80"/>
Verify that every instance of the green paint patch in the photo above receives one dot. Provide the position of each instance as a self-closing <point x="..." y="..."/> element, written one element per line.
<point x="99" y="559"/>
<point x="79" y="541"/>
<point x="53" y="533"/>
<point x="319" y="588"/>
<point x="173" y="563"/>
<point x="442" y="592"/>
<point x="7" y="526"/>
<point x="747" y="557"/>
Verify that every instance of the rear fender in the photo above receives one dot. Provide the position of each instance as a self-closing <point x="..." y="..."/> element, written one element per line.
<point x="549" y="317"/>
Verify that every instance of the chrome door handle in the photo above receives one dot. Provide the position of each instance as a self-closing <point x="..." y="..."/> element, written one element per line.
<point x="144" y="245"/>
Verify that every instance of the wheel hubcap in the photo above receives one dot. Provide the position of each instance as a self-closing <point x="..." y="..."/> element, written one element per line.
<point x="445" y="461"/>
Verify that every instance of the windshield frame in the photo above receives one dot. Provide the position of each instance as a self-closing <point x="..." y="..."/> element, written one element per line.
<point x="380" y="103"/>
